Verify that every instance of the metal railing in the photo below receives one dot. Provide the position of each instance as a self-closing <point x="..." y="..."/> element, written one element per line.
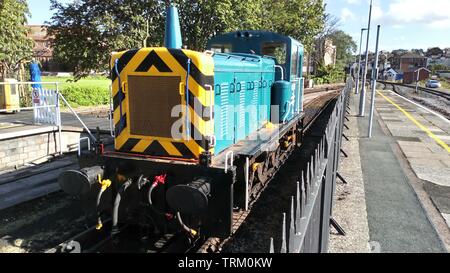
<point x="308" y="227"/>
<point x="46" y="106"/>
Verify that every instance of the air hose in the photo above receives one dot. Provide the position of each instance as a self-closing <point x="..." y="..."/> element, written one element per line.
<point x="159" y="180"/>
<point x="105" y="184"/>
<point x="115" y="219"/>
<point x="186" y="228"/>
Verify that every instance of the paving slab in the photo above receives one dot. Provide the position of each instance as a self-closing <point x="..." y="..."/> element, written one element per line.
<point x="429" y="159"/>
<point x="397" y="220"/>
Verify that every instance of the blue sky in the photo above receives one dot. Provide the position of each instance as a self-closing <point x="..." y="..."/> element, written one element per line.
<point x="404" y="24"/>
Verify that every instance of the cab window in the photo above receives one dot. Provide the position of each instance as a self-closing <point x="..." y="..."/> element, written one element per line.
<point x="276" y="50"/>
<point x="221" y="48"/>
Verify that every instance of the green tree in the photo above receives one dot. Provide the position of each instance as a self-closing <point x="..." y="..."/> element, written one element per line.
<point x="85" y="32"/>
<point x="345" y="47"/>
<point x="300" y="19"/>
<point x="202" y="19"/>
<point x="14" y="44"/>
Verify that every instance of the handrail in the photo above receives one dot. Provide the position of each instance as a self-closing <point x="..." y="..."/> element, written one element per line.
<point x="211" y="106"/>
<point x="282" y="71"/>
<point x="76" y="115"/>
<point x="226" y="160"/>
<point x="110" y="115"/>
<point x="27" y="108"/>
<point x="8" y="83"/>
<point x="247" y="197"/>
<point x="79" y="144"/>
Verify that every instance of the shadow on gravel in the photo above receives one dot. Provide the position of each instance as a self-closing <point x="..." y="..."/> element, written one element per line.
<point x="40" y="224"/>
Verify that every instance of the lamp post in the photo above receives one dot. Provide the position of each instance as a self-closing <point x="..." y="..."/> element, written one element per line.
<point x="418" y="74"/>
<point x="374" y="83"/>
<point x="359" y="63"/>
<point x="362" y="98"/>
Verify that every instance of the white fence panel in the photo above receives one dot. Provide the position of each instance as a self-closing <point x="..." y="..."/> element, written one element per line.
<point x="45" y="101"/>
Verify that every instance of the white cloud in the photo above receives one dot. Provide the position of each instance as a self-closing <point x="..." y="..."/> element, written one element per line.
<point x="433" y="14"/>
<point x="346" y="15"/>
<point x="398" y="26"/>
<point x="351" y="2"/>
<point x="377" y="13"/>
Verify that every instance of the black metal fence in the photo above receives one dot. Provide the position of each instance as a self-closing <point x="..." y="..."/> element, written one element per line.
<point x="308" y="227"/>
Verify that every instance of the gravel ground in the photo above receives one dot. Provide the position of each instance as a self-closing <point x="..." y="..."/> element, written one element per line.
<point x="350" y="203"/>
<point x="40" y="224"/>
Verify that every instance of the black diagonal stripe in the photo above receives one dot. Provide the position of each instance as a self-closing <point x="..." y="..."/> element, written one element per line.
<point x="200" y="109"/>
<point x="156" y="149"/>
<point x="117" y="128"/>
<point x="123" y="61"/>
<point x="116" y="101"/>
<point x="199" y="77"/>
<point x="129" y="145"/>
<point x="198" y="137"/>
<point x="153" y="59"/>
<point x="183" y="149"/>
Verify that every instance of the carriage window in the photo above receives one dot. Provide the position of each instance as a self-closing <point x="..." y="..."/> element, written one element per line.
<point x="221" y="48"/>
<point x="277" y="50"/>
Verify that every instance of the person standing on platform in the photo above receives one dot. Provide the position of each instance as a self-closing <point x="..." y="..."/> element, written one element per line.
<point x="35" y="73"/>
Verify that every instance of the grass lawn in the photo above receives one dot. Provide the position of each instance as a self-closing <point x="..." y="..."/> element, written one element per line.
<point x="445" y="84"/>
<point x="64" y="82"/>
<point x="90" y="91"/>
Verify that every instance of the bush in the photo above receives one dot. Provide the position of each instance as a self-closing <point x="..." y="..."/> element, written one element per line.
<point x="329" y="74"/>
<point x="86" y="96"/>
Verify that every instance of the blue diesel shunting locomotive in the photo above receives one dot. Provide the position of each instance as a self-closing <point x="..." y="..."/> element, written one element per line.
<point x="242" y="117"/>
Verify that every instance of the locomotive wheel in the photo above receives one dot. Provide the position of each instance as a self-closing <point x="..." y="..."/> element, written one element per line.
<point x="275" y="158"/>
<point x="262" y="172"/>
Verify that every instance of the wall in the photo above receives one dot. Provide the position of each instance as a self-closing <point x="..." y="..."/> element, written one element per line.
<point x="15" y="152"/>
<point x="412" y="64"/>
<point x="411" y="77"/>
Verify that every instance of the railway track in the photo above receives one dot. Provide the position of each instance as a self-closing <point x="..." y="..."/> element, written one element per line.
<point x="92" y="240"/>
<point x="423" y="89"/>
<point x="324" y="88"/>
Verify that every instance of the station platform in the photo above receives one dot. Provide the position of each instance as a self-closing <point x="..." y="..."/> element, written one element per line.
<point x="23" y="121"/>
<point x="22" y="142"/>
<point x="398" y="194"/>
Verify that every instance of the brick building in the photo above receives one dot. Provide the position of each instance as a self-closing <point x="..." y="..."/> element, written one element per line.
<point x="42" y="50"/>
<point x="408" y="62"/>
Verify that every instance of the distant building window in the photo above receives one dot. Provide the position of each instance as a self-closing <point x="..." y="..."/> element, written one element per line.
<point x="277" y="50"/>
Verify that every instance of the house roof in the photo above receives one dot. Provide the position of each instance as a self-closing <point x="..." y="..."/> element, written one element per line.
<point x="412" y="56"/>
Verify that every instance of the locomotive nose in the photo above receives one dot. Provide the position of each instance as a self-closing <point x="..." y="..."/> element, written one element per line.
<point x="191" y="198"/>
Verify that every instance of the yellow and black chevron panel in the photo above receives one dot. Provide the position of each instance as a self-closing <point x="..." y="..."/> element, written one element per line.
<point x="152" y="81"/>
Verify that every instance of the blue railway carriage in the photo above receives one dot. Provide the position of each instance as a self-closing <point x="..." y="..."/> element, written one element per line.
<point x="197" y="134"/>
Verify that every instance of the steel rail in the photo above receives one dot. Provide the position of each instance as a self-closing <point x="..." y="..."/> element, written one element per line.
<point x="423" y="89"/>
